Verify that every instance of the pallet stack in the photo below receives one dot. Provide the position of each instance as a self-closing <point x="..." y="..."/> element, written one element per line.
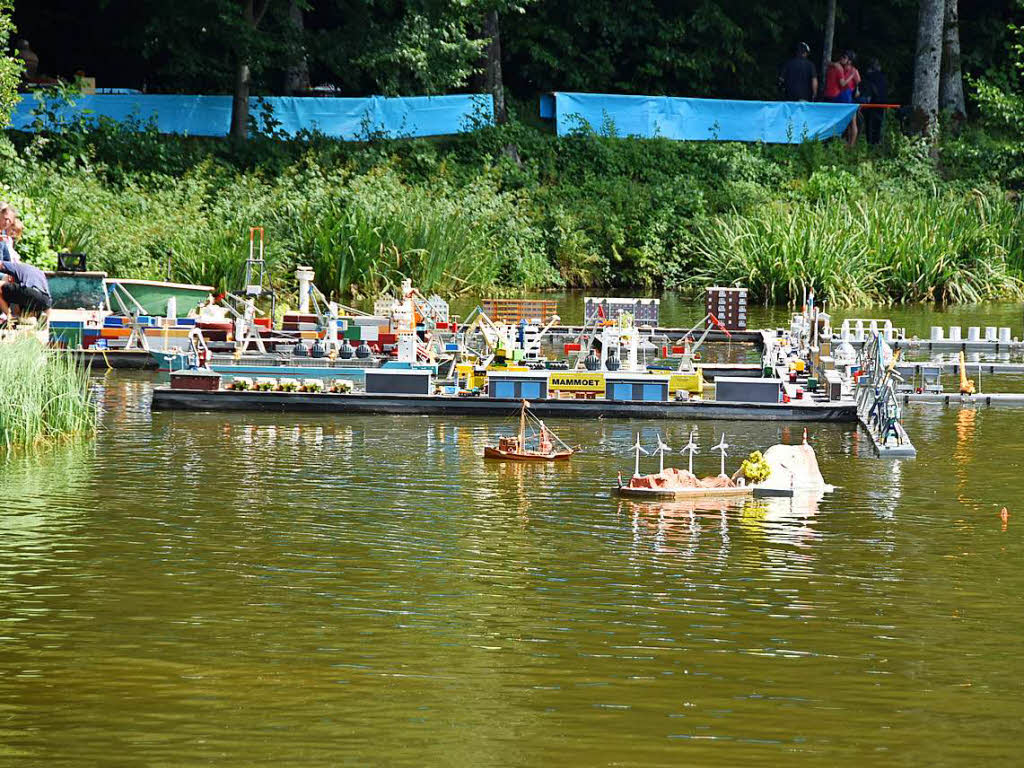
<point x="512" y="311"/>
<point x="729" y="305"/>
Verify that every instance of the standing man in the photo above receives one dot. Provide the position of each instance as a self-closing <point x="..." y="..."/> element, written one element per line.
<point x="799" y="78"/>
<point x="874" y="89"/>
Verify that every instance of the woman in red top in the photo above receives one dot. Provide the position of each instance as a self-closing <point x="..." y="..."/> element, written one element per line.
<point x="841" y="83"/>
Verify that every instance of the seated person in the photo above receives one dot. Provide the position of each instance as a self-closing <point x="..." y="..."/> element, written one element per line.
<point x="24" y="290"/>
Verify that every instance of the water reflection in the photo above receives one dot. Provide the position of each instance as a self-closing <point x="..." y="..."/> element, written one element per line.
<point x="335" y="578"/>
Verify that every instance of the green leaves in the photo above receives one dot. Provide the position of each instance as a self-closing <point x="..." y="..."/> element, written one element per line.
<point x="10" y="67"/>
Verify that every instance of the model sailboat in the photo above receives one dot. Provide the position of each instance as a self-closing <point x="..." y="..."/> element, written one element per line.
<point x="534" y="442"/>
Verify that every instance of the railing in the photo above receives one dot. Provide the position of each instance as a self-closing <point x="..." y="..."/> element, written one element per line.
<point x="877" y="403"/>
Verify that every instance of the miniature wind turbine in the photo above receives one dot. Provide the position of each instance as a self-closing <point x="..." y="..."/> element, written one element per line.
<point x="660" y="450"/>
<point x="639" y="449"/>
<point x="722" y="445"/>
<point x="691" y="448"/>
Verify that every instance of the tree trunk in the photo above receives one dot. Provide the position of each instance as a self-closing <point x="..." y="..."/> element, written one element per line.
<point x="240" y="102"/>
<point x="252" y="13"/>
<point x="826" y="48"/>
<point x="951" y="92"/>
<point x="297" y="76"/>
<point x="927" y="66"/>
<point x="494" y="84"/>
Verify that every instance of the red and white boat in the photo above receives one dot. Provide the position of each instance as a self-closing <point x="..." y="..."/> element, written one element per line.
<point x="533" y="442"/>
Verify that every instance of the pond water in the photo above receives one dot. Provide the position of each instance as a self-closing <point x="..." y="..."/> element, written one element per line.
<point x="254" y="589"/>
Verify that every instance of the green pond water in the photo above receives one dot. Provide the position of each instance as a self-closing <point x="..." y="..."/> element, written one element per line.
<point x="257" y="589"/>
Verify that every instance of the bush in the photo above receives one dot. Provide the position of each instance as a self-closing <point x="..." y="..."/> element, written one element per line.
<point x="512" y="208"/>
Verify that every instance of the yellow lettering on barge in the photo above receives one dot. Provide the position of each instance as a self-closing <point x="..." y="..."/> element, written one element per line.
<point x="576" y="381"/>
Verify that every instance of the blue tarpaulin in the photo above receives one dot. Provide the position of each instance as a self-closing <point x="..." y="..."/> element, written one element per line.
<point x="775" y="122"/>
<point x="342" y="118"/>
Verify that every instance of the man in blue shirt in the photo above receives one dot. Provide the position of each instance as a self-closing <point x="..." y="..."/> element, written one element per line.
<point x="23" y="289"/>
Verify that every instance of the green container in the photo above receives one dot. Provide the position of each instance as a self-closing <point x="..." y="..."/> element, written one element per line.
<point x="69" y="337"/>
<point x="812" y="384"/>
<point x="768" y="372"/>
<point x="352" y="333"/>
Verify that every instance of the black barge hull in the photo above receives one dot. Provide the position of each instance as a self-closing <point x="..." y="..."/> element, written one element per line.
<point x="165" y="399"/>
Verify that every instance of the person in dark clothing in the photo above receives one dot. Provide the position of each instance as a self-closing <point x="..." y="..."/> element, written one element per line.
<point x="874" y="89"/>
<point x="23" y="290"/>
<point x="799" y="78"/>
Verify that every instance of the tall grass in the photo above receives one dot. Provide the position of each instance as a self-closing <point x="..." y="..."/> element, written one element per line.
<point x="362" y="239"/>
<point x="45" y="395"/>
<point x="780" y="251"/>
<point x="852" y="250"/>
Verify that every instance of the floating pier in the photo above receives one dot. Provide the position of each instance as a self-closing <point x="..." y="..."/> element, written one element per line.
<point x="1011" y="399"/>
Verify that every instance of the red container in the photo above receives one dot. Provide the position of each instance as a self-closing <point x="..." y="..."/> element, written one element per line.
<point x="205" y="381"/>
<point x="219" y="325"/>
<point x="262" y="322"/>
<point x="572" y="348"/>
<point x="678" y="350"/>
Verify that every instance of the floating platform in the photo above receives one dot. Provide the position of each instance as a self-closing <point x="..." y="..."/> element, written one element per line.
<point x="165" y="398"/>
<point x="1011" y="399"/>
<point x="951" y="368"/>
<point x="137" y="359"/>
<point x="945" y="345"/>
<point x="893" y="447"/>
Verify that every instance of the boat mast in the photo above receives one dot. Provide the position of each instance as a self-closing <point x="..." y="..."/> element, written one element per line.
<point x="522" y="426"/>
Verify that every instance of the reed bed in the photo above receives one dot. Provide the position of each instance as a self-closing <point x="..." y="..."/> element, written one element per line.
<point x="950" y="248"/>
<point x="46" y="396"/>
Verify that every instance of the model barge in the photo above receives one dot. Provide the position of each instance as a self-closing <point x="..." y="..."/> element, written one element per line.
<point x="167" y="398"/>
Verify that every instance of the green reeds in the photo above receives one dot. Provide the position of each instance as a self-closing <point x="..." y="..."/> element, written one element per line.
<point x="364" y="239"/>
<point x="45" y="395"/>
<point x="890" y="249"/>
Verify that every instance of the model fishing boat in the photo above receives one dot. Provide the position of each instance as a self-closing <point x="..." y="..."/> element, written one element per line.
<point x="534" y="442"/>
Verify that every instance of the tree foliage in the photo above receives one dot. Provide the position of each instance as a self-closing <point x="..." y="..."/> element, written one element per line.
<point x="10" y="68"/>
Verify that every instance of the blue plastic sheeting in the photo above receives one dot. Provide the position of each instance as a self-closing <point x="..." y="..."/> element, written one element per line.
<point x="343" y="118"/>
<point x="775" y="122"/>
<point x="547" y="106"/>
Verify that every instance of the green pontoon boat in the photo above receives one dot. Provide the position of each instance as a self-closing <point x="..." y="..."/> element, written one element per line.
<point x="152" y="295"/>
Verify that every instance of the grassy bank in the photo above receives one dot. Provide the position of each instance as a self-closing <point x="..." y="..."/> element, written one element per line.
<point x="467" y="215"/>
<point x="45" y="396"/>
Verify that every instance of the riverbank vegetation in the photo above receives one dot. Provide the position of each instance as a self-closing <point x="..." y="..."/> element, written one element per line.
<point x="511" y="207"/>
<point x="46" y="396"/>
<point x="461" y="215"/>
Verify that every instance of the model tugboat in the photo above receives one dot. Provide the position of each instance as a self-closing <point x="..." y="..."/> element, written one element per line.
<point x="533" y="442"/>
